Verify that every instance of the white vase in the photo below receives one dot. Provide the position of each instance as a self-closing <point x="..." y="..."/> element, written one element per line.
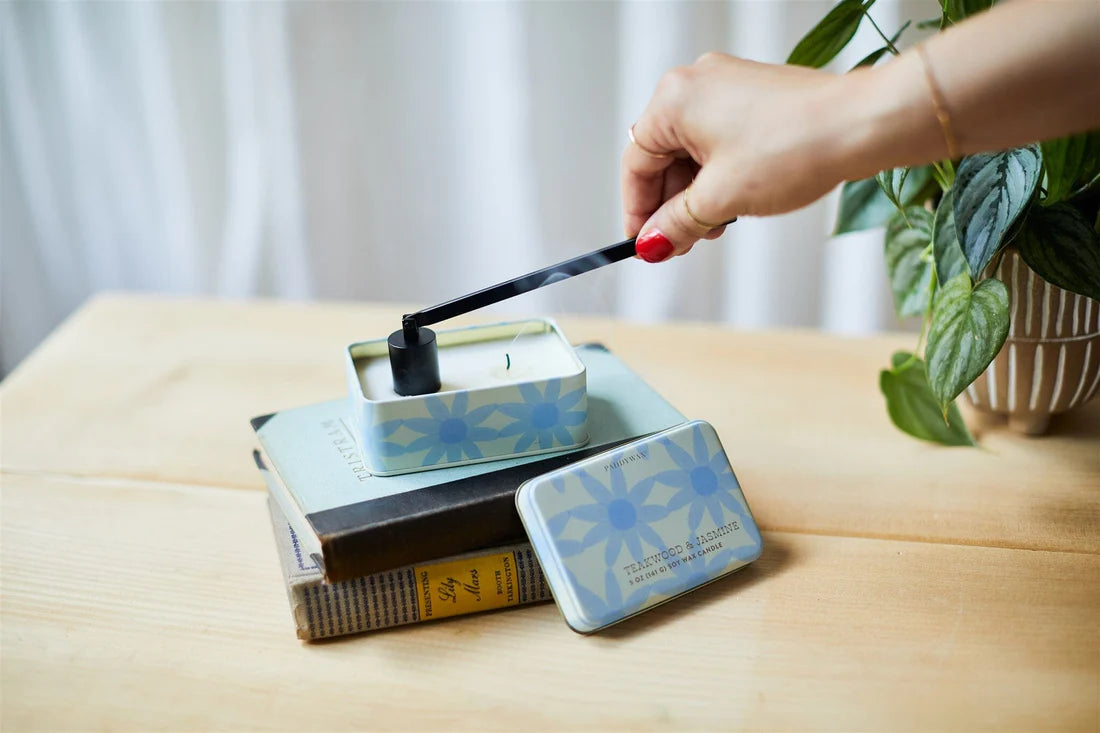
<point x="1050" y="361"/>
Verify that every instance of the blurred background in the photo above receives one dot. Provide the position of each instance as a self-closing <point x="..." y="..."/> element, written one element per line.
<point x="383" y="151"/>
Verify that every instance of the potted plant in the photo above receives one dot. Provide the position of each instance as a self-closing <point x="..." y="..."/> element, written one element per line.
<point x="998" y="253"/>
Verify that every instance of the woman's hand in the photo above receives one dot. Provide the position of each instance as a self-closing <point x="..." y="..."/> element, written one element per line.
<point x="763" y="139"/>
<point x="756" y="138"/>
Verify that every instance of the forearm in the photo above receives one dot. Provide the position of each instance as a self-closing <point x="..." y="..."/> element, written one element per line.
<point x="1023" y="72"/>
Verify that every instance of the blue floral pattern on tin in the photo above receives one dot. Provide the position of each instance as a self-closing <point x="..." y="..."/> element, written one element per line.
<point x="672" y="499"/>
<point x="620" y="515"/>
<point x="705" y="483"/>
<point x="609" y="606"/>
<point x="378" y="434"/>
<point x="451" y="432"/>
<point x="543" y="417"/>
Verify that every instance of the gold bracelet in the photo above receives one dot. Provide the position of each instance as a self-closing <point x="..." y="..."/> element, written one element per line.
<point x="939" y="104"/>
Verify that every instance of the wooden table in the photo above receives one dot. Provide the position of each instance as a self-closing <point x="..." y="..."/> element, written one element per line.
<point x="904" y="586"/>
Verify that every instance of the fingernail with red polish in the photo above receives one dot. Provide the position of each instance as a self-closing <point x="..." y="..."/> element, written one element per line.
<point x="653" y="246"/>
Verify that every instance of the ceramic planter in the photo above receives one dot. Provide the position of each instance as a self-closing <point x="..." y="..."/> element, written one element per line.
<point x="1050" y="362"/>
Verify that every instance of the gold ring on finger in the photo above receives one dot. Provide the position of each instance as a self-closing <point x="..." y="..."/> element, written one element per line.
<point x="644" y="149"/>
<point x="704" y="224"/>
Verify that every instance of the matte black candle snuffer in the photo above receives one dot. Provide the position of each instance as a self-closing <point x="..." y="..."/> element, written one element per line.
<point x="414" y="357"/>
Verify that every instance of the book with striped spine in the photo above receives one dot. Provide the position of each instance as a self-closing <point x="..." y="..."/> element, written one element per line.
<point x="478" y="581"/>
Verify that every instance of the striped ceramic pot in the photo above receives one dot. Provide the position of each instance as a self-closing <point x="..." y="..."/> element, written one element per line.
<point x="1050" y="362"/>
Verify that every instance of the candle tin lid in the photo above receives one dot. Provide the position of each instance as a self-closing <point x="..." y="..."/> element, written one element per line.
<point x="623" y="531"/>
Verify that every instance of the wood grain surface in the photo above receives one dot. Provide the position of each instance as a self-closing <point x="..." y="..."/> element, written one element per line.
<point x="903" y="587"/>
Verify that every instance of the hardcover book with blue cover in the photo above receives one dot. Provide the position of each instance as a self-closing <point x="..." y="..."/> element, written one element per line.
<point x="353" y="523"/>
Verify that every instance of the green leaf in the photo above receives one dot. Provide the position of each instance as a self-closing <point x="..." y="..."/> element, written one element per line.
<point x="1090" y="168"/>
<point x="969" y="326"/>
<point x="863" y="205"/>
<point x="872" y="58"/>
<point x="913" y="408"/>
<point x="1070" y="162"/>
<point x="956" y="10"/>
<point x="1063" y="249"/>
<point x="1088" y="185"/>
<point x="930" y="23"/>
<point x="908" y="236"/>
<point x="946" y="250"/>
<point x="991" y="189"/>
<point x="892" y="183"/>
<point x="827" y="38"/>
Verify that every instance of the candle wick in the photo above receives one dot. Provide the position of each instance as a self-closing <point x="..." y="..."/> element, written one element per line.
<point x="508" y="359"/>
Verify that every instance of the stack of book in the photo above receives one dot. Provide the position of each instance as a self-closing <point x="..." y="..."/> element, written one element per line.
<point x="361" y="552"/>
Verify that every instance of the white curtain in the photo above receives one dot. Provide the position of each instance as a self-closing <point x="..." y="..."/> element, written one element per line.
<point x="380" y="151"/>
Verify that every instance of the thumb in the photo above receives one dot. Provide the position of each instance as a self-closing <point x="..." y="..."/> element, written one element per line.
<point x="697" y="212"/>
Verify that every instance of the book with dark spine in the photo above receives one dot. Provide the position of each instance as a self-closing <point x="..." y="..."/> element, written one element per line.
<point x="482" y="581"/>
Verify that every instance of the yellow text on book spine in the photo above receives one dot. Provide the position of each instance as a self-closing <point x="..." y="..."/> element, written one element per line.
<point x="466" y="586"/>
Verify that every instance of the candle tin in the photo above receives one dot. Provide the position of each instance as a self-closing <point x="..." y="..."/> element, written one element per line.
<point x="621" y="532"/>
<point x="508" y="389"/>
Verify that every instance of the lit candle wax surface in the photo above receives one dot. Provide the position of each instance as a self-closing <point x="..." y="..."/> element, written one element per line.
<point x="533" y="357"/>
